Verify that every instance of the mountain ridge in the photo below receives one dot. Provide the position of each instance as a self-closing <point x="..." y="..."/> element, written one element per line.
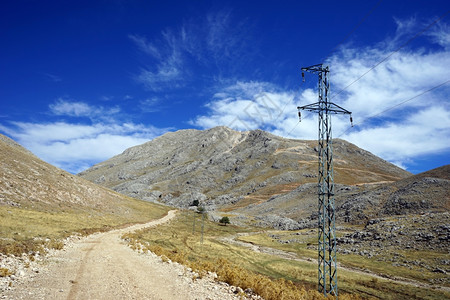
<point x="228" y="170"/>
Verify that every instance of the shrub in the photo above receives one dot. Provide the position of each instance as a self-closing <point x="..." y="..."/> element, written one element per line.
<point x="224" y="220"/>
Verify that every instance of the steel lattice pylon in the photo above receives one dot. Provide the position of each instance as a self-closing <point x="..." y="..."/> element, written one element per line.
<point x="327" y="260"/>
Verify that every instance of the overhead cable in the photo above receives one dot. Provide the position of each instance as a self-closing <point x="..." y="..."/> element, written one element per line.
<point x="395" y="106"/>
<point x="393" y="52"/>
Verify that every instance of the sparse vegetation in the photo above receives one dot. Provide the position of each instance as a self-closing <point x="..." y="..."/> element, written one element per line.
<point x="249" y="269"/>
<point x="390" y="263"/>
<point x="29" y="231"/>
<point x="268" y="276"/>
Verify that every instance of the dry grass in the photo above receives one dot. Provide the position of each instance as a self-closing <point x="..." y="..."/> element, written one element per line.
<point x="305" y="238"/>
<point x="25" y="230"/>
<point x="271" y="276"/>
<point x="5" y="272"/>
<point x="365" y="285"/>
<point x="268" y="276"/>
<point x="270" y="289"/>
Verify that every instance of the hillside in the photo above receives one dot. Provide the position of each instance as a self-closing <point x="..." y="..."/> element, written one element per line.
<point x="40" y="202"/>
<point x="236" y="172"/>
<point x="357" y="204"/>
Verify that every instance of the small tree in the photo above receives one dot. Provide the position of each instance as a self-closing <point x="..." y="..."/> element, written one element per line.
<point x="224" y="220"/>
<point x="195" y="203"/>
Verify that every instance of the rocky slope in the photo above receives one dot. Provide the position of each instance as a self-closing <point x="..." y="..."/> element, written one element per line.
<point x="251" y="173"/>
<point x="30" y="183"/>
<point x="358" y="204"/>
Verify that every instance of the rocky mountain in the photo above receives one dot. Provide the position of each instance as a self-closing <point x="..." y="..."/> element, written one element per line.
<point x="251" y="174"/>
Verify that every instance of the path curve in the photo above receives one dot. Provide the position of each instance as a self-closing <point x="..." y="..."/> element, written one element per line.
<point x="102" y="266"/>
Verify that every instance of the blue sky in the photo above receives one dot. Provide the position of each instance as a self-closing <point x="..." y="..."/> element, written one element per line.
<point x="81" y="81"/>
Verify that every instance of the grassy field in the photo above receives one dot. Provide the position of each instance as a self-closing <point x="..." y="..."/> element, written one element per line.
<point x="30" y="229"/>
<point x="365" y="285"/>
<point x="243" y="266"/>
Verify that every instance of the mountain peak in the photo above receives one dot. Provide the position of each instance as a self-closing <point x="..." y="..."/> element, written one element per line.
<point x="222" y="166"/>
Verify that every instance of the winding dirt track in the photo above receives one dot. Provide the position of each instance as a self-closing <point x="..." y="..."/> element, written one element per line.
<point x="101" y="266"/>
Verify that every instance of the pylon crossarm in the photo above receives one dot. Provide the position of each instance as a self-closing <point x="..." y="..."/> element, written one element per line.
<point x="330" y="108"/>
<point x="311" y="107"/>
<point x="315" y="68"/>
<point x="334" y="108"/>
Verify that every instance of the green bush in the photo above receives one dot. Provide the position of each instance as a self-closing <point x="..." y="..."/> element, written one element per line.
<point x="224" y="220"/>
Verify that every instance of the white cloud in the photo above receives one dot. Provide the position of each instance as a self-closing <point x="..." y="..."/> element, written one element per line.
<point x="401" y="77"/>
<point x="76" y="109"/>
<point x="252" y="105"/>
<point x="74" y="147"/>
<point x="427" y="131"/>
<point x="64" y="107"/>
<point x="402" y="130"/>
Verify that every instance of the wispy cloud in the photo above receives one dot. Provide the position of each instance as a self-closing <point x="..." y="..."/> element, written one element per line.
<point x="52" y="77"/>
<point x="76" y="109"/>
<point x="414" y="128"/>
<point x="441" y="35"/>
<point x="167" y="70"/>
<point x="246" y="106"/>
<point x="66" y="107"/>
<point x="150" y="104"/>
<point x="177" y="53"/>
<point x="145" y="46"/>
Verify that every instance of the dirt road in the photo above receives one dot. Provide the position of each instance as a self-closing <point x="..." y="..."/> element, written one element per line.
<point x="101" y="266"/>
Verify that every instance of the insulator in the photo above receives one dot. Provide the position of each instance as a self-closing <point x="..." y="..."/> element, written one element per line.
<point x="303" y="76"/>
<point x="351" y="120"/>
<point x="299" y="116"/>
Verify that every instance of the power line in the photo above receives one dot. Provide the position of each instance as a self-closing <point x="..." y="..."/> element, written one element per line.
<point x="295" y="126"/>
<point x="293" y="129"/>
<point x="395" y="106"/>
<point x="353" y="30"/>
<point x="393" y="52"/>
<point x="340" y="43"/>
